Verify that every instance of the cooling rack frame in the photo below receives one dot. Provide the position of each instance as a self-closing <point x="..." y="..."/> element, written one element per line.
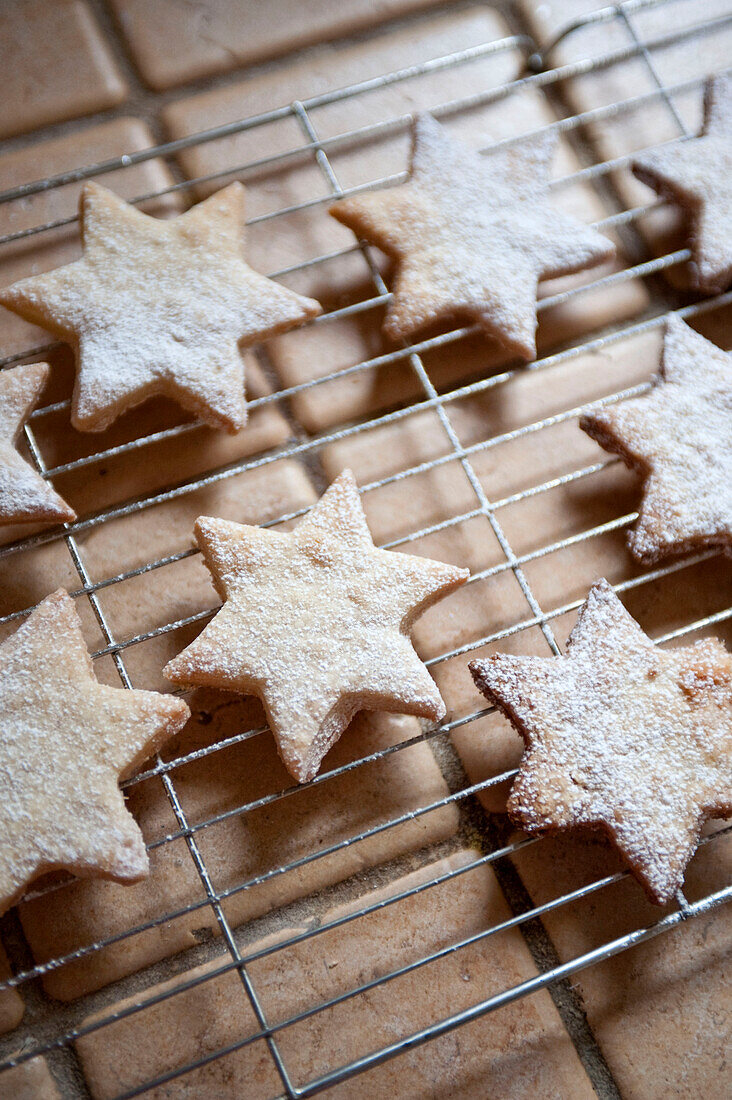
<point x="540" y="73"/>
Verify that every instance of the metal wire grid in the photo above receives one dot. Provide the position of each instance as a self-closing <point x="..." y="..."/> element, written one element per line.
<point x="314" y="147"/>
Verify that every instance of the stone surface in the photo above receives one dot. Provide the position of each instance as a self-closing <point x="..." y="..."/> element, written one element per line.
<point x="171" y="45"/>
<point x="646" y="117"/>
<point x="564" y="512"/>
<point x="31" y="1080"/>
<point x="163" y="1037"/>
<point x="45" y="48"/>
<point x="331" y="344"/>
<point x="54" y="247"/>
<point x="519" y="1051"/>
<point x="161" y="463"/>
<point x="242" y="846"/>
<point x="11" y="1002"/>
<point x="660" y="1011"/>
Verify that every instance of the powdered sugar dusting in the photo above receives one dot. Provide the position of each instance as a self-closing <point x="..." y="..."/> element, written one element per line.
<point x="315" y="622"/>
<point x="680" y="438"/>
<point x="698" y="175"/>
<point x="24" y="495"/>
<point x="473" y="235"/>
<point x="159" y="307"/>
<point x="622" y="735"/>
<point x="66" y="740"/>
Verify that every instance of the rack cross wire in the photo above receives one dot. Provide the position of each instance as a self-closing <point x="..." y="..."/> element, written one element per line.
<point x="540" y="73"/>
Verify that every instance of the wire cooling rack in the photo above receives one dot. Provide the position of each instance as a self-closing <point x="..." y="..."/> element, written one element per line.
<point x="541" y="73"/>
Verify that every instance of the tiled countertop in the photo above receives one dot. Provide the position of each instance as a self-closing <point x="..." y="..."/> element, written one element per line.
<point x="148" y="979"/>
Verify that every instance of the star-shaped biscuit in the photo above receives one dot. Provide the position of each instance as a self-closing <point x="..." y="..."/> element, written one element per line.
<point x="697" y="174"/>
<point x="25" y="496"/>
<point x="472" y="235"/>
<point x="65" y="741"/>
<point x="679" y="438"/>
<point x="622" y="735"/>
<point x="316" y="623"/>
<point x="159" y="307"/>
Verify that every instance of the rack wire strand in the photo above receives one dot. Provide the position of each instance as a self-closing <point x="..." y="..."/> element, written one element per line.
<point x="427" y="400"/>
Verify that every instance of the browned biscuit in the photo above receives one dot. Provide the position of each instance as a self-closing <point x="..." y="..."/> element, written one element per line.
<point x="679" y="437"/>
<point x="159" y="307"/>
<point x="66" y="741"/>
<point x="620" y="735"/>
<point x="473" y="235"/>
<point x="25" y="496"/>
<point x="316" y="623"/>
<point x="697" y="174"/>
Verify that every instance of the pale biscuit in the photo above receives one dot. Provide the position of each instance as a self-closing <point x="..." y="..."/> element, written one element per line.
<point x="67" y="740"/>
<point x="645" y="64"/>
<point x="697" y="175"/>
<point x="316" y="623"/>
<point x="473" y="235"/>
<point x="620" y="735"/>
<point x="374" y="152"/>
<point x="159" y="306"/>
<point x="243" y="847"/>
<point x="36" y="251"/>
<point x="678" y="437"/>
<point x="25" y="496"/>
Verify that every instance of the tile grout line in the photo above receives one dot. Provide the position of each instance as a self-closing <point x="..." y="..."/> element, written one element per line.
<point x="194" y="851"/>
<point x="145" y="102"/>
<point x="237" y="75"/>
<point x="567" y="1003"/>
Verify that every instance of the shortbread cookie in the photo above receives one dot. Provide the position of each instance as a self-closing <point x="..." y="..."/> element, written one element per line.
<point x="621" y="735"/>
<point x="697" y="174"/>
<point x="679" y="438"/>
<point x="472" y="235"/>
<point x="159" y="307"/>
<point x="316" y="623"/>
<point x="66" y="741"/>
<point x="25" y="496"/>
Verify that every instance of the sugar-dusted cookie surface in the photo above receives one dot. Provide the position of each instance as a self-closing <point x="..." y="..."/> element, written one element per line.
<point x="622" y="735"/>
<point x="65" y="742"/>
<point x="697" y="174"/>
<point x="316" y="623"/>
<point x="25" y="496"/>
<point x="472" y="235"/>
<point x="159" y="307"/>
<point x="679" y="437"/>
